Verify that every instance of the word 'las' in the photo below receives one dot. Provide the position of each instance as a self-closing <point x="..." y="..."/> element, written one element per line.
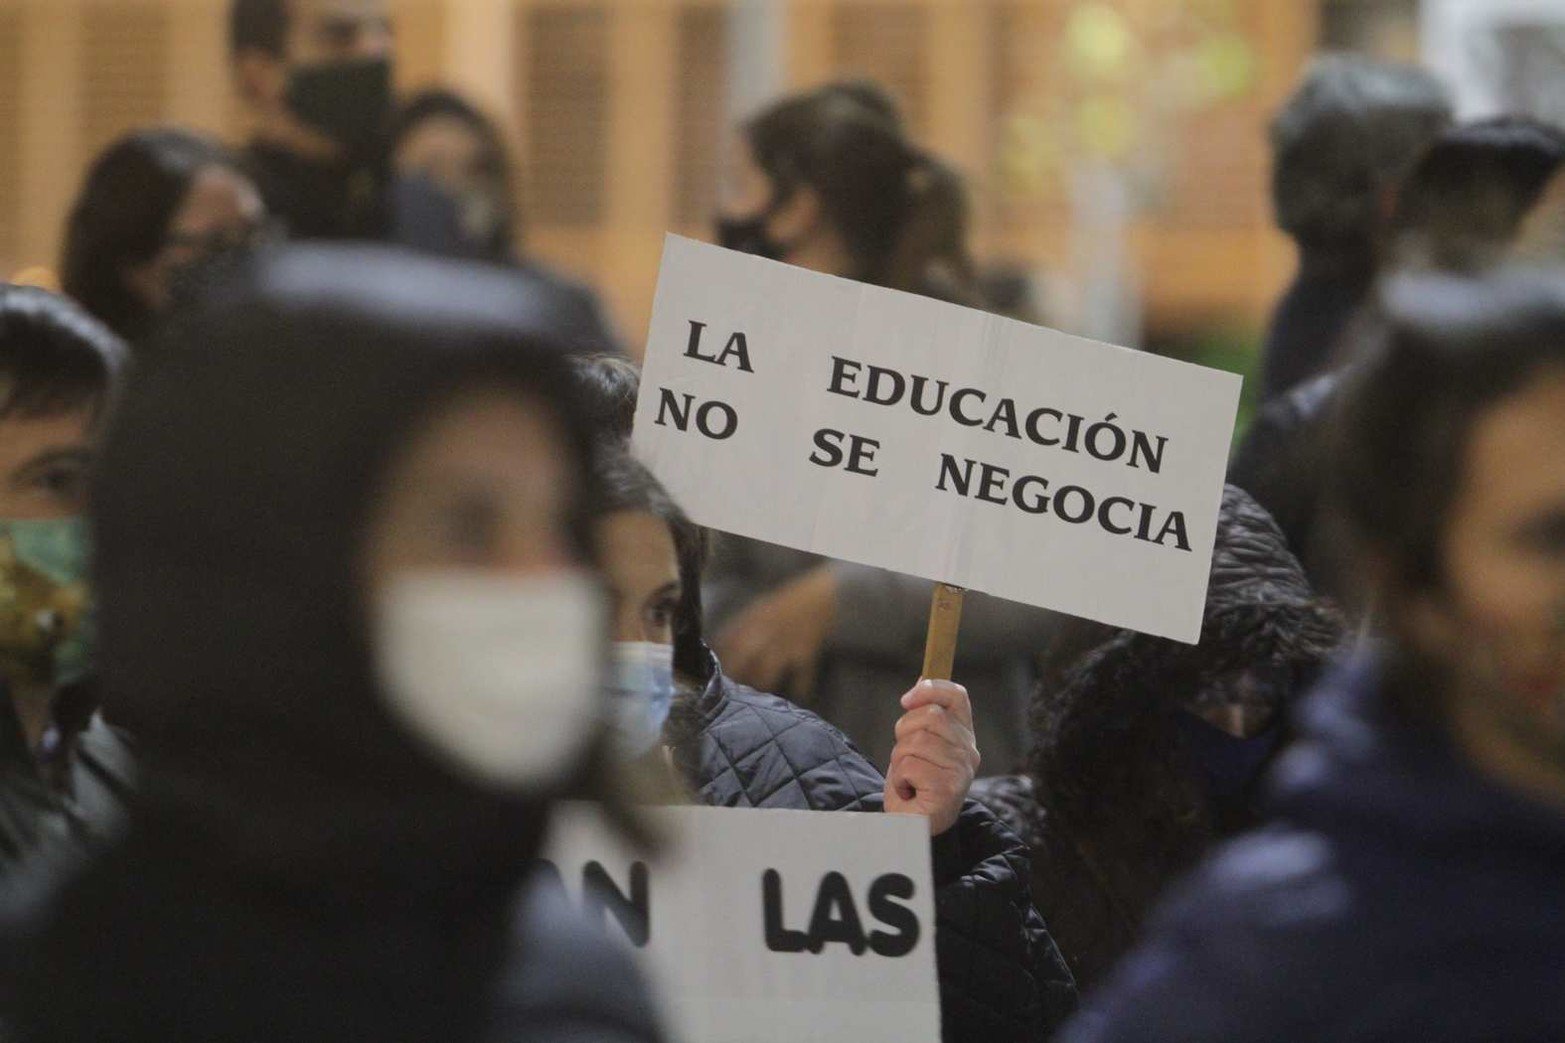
<point x="836" y="918"/>
<point x="715" y="419"/>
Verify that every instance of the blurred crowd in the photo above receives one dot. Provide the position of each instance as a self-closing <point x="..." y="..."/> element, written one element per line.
<point x="326" y="572"/>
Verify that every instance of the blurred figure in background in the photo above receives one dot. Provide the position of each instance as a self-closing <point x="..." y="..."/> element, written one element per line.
<point x="315" y="76"/>
<point x="440" y="137"/>
<point x="829" y="180"/>
<point x="732" y="746"/>
<point x="1465" y="201"/>
<point x="1409" y="887"/>
<point x="344" y="552"/>
<point x="1192" y="729"/>
<point x="63" y="772"/>
<point x="1460" y="209"/>
<point x="1340" y="148"/>
<point x="156" y="206"/>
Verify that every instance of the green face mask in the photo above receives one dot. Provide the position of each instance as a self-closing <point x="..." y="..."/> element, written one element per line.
<point x="46" y="625"/>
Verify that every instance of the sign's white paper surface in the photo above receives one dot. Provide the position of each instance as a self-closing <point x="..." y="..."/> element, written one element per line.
<point x="706" y="944"/>
<point x="742" y="463"/>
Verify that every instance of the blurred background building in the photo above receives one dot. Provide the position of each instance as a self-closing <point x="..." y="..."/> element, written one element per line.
<point x="1116" y="148"/>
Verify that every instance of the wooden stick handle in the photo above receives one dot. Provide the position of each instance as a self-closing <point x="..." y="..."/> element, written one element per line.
<point x="945" y="618"/>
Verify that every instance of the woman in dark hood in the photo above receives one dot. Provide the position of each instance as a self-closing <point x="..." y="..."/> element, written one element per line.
<point x="342" y="555"/>
<point x="1145" y="750"/>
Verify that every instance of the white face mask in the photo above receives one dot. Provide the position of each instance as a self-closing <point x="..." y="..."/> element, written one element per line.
<point x="499" y="675"/>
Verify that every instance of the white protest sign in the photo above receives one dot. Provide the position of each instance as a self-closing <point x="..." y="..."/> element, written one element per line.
<point x="769" y="926"/>
<point x="897" y="431"/>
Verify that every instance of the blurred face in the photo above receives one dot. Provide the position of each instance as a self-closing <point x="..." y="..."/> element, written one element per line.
<point x="445" y="150"/>
<point x="43" y="465"/>
<point x="221" y="210"/>
<point x="483" y="486"/>
<point x="1498" y="624"/>
<point x="642" y="569"/>
<point x="745" y="190"/>
<point x="322" y="35"/>
<point x="487" y="631"/>
<point x="752" y="218"/>
<point x="326" y="31"/>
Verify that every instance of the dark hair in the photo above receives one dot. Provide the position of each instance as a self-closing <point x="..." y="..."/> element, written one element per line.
<point x="1465" y="200"/>
<point x="901" y="212"/>
<point x="1447" y="349"/>
<point x="54" y="357"/>
<point x="121" y="218"/>
<point x="494" y="157"/>
<point x="611" y="384"/>
<point x="625" y="485"/>
<point x="258" y="25"/>
<point x="1345" y="138"/>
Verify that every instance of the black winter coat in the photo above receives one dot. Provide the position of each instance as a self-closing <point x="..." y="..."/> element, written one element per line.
<point x="1001" y="976"/>
<point x="1398" y="897"/>
<point x="1312" y="317"/>
<point x="1282" y="462"/>
<point x="1139" y="815"/>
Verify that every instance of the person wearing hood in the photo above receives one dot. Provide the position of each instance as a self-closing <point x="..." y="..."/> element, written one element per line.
<point x="1190" y="730"/>
<point x="1001" y="977"/>
<point x="64" y="773"/>
<point x="1411" y="882"/>
<point x="346" y="604"/>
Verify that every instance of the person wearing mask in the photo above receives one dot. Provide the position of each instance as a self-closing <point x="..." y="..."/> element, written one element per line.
<point x="1408" y="885"/>
<point x="1001" y="977"/>
<point x="156" y="207"/>
<point x="1341" y="146"/>
<point x="63" y="772"/>
<point x="346" y="597"/>
<point x="1461" y="209"/>
<point x="315" y="77"/>
<point x="440" y="137"/>
<point x="1192" y="728"/>
<point x="828" y="180"/>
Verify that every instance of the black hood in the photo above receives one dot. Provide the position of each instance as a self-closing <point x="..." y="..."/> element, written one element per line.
<point x="235" y="483"/>
<point x="326" y="875"/>
<point x="229" y="517"/>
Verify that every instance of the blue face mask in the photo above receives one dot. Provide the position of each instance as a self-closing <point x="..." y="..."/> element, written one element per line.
<point x="1226" y="764"/>
<point x="46" y="624"/>
<point x="641" y="686"/>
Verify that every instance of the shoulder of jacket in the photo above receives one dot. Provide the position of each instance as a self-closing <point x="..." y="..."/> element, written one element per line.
<point x="764" y="743"/>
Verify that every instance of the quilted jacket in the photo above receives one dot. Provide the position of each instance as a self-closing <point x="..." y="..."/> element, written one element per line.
<point x="1001" y="976"/>
<point x="1096" y="877"/>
